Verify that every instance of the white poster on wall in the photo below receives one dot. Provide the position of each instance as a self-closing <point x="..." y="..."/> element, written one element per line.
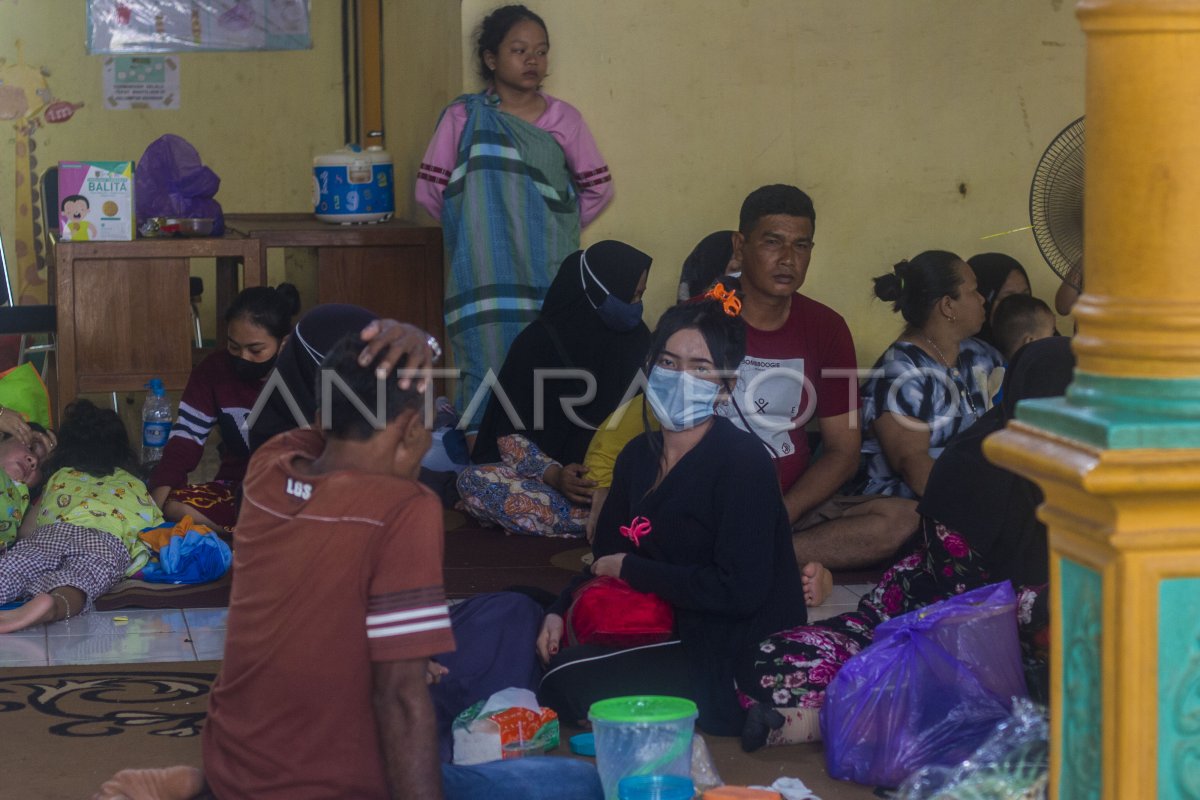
<point x="180" y="26"/>
<point x="141" y="82"/>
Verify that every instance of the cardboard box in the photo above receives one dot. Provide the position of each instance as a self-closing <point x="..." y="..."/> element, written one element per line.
<point x="95" y="201"/>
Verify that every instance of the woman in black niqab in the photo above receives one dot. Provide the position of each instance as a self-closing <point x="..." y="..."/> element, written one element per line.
<point x="591" y="323"/>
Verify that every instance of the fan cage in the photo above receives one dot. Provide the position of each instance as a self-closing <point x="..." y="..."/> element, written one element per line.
<point x="1056" y="203"/>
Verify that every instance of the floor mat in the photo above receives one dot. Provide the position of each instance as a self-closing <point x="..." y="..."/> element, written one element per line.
<point x="142" y="594"/>
<point x="487" y="560"/>
<point x="68" y="729"/>
<point x="736" y="768"/>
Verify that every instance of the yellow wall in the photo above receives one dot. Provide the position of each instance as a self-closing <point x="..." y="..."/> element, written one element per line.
<point x="421" y="73"/>
<point x="878" y="108"/>
<point x="257" y="118"/>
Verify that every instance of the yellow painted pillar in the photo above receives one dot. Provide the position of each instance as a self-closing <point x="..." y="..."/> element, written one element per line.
<point x="1119" y="457"/>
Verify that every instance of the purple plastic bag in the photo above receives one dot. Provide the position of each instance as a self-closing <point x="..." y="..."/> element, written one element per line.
<point x="929" y="690"/>
<point x="172" y="181"/>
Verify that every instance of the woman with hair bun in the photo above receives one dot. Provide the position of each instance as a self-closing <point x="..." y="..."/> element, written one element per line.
<point x="219" y="394"/>
<point x="933" y="381"/>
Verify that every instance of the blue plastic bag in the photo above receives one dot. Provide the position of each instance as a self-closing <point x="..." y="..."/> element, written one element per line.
<point x="193" y="558"/>
<point x="929" y="690"/>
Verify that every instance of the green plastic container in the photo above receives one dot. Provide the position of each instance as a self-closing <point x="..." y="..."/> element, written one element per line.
<point x="642" y="735"/>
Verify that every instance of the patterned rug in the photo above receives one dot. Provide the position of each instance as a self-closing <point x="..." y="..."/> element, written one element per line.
<point x="67" y="729"/>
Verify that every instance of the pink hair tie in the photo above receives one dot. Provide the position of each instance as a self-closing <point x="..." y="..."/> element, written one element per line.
<point x="635" y="530"/>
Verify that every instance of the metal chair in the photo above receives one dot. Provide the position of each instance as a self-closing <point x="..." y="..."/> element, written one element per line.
<point x="26" y="320"/>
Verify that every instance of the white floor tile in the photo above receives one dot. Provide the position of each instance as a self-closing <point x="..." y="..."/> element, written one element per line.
<point x="30" y="633"/>
<point x="120" y="648"/>
<point x="827" y="610"/>
<point x="205" y="619"/>
<point x="22" y="651"/>
<point x="128" y="622"/>
<point x="841" y="596"/>
<point x="209" y="644"/>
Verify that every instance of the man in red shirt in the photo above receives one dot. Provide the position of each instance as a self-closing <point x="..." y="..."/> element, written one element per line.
<point x="800" y="363"/>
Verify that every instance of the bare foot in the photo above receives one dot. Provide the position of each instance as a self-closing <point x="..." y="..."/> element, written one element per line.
<point x="818" y="583"/>
<point x="171" y="783"/>
<point x="39" y="609"/>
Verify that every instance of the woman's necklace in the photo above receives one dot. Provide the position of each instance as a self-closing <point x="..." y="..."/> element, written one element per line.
<point x="952" y="369"/>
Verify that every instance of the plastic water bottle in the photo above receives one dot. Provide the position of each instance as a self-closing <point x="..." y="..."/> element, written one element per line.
<point x="156" y="422"/>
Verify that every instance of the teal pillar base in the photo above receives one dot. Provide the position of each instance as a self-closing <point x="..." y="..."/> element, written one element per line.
<point x="1121" y="413"/>
<point x="1081" y="597"/>
<point x="1178" y="690"/>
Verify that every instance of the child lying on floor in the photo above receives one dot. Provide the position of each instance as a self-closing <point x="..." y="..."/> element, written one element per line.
<point x="82" y="536"/>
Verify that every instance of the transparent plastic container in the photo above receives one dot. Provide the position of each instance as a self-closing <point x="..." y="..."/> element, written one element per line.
<point x="642" y="735"/>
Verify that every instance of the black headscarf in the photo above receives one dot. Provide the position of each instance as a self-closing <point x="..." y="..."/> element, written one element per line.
<point x="707" y="262"/>
<point x="991" y="271"/>
<point x="994" y="509"/>
<point x="570" y="334"/>
<point x="299" y="358"/>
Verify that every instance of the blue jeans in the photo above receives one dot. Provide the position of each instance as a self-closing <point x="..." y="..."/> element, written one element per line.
<point x="537" y="778"/>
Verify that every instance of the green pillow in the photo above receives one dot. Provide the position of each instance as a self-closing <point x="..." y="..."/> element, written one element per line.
<point x="22" y="390"/>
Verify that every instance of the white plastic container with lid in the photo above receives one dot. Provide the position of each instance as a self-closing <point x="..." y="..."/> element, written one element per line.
<point x="353" y="186"/>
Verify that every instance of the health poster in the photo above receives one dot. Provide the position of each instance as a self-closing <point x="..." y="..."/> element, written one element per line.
<point x="141" y="82"/>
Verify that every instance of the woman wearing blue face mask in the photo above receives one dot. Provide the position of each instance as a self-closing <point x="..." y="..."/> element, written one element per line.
<point x="694" y="516"/>
<point x="219" y="394"/>
<point x="565" y="373"/>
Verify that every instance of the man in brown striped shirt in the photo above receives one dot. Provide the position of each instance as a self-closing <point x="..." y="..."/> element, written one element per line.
<point x="336" y="608"/>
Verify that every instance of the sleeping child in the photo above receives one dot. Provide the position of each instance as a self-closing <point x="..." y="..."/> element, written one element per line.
<point x="19" y="469"/>
<point x="82" y="535"/>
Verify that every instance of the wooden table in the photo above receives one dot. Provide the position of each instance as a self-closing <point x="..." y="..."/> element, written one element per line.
<point x="124" y="311"/>
<point x="124" y="314"/>
<point x="393" y="268"/>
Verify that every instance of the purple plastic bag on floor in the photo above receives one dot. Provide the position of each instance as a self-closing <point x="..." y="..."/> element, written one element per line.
<point x="929" y="690"/>
<point x="172" y="181"/>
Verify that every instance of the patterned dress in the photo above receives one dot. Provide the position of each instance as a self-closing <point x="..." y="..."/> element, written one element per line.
<point x="513" y="495"/>
<point x="796" y="666"/>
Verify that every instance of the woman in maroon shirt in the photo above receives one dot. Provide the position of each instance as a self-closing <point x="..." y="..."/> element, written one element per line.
<point x="220" y="393"/>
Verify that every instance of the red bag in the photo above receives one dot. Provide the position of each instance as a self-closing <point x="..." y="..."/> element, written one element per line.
<point x="607" y="611"/>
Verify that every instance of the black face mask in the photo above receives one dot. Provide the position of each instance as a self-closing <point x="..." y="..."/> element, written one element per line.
<point x="251" y="370"/>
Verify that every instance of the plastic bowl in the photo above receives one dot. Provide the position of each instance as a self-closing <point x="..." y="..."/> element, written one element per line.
<point x="656" y="787"/>
<point x="583" y="744"/>
<point x="176" y="226"/>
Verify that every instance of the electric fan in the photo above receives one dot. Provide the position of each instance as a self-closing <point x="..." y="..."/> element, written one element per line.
<point x="1056" y="204"/>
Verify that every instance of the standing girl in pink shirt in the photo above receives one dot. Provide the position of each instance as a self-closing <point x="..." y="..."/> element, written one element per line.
<point x="513" y="174"/>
